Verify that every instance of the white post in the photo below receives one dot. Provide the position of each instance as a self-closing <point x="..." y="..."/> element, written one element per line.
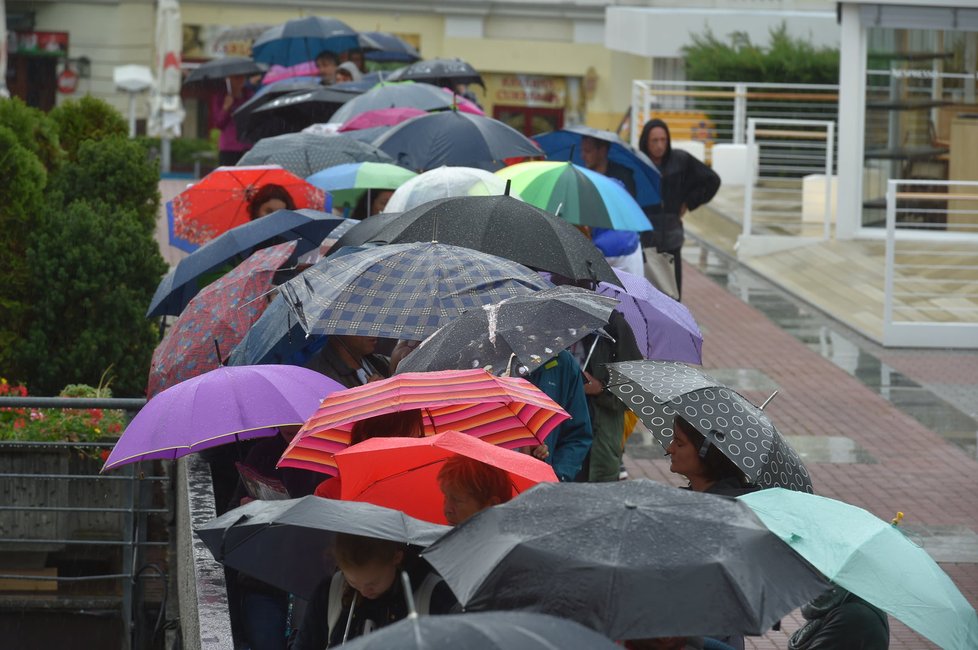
<point x="852" y="115"/>
<point x="637" y="96"/>
<point x="749" y="177"/>
<point x="132" y="114"/>
<point x="891" y="187"/>
<point x="829" y="159"/>
<point x="740" y="112"/>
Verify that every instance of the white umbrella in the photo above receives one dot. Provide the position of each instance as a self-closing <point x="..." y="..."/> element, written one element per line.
<point x="445" y="182"/>
<point x="166" y="111"/>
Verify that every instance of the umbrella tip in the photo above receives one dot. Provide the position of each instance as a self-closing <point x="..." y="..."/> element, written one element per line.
<point x="509" y="181"/>
<point x="898" y="519"/>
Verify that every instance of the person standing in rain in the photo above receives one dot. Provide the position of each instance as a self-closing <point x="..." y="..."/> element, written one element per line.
<point x="686" y="184"/>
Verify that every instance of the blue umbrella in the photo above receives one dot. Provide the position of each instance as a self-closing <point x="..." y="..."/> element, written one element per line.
<point x="565" y="144"/>
<point x="390" y="48"/>
<point x="276" y="338"/>
<point x="300" y="40"/>
<point x="309" y="227"/>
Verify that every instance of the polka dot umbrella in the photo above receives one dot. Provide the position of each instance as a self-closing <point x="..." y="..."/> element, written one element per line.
<point x="657" y="391"/>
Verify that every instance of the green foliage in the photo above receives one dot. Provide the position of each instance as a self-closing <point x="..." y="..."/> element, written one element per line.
<point x="86" y="119"/>
<point x="94" y="269"/>
<point x="785" y="60"/>
<point x="116" y="171"/>
<point x="21" y="197"/>
<point x="182" y="150"/>
<point x="34" y="130"/>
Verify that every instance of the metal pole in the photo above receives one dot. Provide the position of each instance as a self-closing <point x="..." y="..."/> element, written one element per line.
<point x="129" y="560"/>
<point x="891" y="186"/>
<point x="749" y="177"/>
<point x="740" y="112"/>
<point x="829" y="178"/>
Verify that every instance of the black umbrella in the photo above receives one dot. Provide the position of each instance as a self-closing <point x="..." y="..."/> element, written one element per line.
<point x="295" y="111"/>
<point x="403" y="290"/>
<point x="286" y="543"/>
<point x="634" y="559"/>
<point x="440" y="72"/>
<point x="534" y="328"/>
<point x="387" y="47"/>
<point x="507" y="227"/>
<point x="657" y="391"/>
<point x="304" y="154"/>
<point x="308" y="227"/>
<point x="457" y="139"/>
<point x="221" y="68"/>
<point x="251" y="130"/>
<point x="393" y="95"/>
<point x="484" y="631"/>
<point x="366" y="230"/>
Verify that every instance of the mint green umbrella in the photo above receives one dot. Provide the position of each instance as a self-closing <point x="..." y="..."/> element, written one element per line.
<point x="348" y="182"/>
<point x="873" y="559"/>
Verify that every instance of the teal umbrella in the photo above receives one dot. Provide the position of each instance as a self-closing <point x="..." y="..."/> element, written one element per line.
<point x="873" y="559"/>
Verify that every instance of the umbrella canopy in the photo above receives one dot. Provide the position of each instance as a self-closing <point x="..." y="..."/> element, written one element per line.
<point x="221" y="68"/>
<point x="388" y="47"/>
<point x="402" y="291"/>
<point x="302" y="532"/>
<point x="380" y="117"/>
<point x="365" y="231"/>
<point x="220" y="200"/>
<point x="657" y="391"/>
<point x="280" y="72"/>
<point x="252" y="130"/>
<point x="582" y="197"/>
<point x="302" y="39"/>
<point x="304" y="154"/>
<point x="534" y="328"/>
<point x="663" y="328"/>
<point x="632" y="559"/>
<point x="217" y="316"/>
<point x="291" y="112"/>
<point x="348" y="182"/>
<point x="397" y="95"/>
<point x="276" y="337"/>
<point x="307" y="228"/>
<point x="219" y="407"/>
<point x="873" y="559"/>
<point x="237" y="40"/>
<point x="565" y="145"/>
<point x="165" y="108"/>
<point x="440" y="72"/>
<point x="503" y="226"/>
<point x="402" y="473"/>
<point x="444" y="183"/>
<point x="484" y="631"/>
<point x="504" y="411"/>
<point x="455" y="138"/>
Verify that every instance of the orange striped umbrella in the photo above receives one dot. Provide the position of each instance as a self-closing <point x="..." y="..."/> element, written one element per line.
<point x="504" y="411"/>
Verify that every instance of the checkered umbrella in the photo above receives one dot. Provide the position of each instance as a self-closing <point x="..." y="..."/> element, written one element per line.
<point x="402" y="291"/>
<point x="657" y="391"/>
<point x="304" y="154"/>
<point x="221" y="313"/>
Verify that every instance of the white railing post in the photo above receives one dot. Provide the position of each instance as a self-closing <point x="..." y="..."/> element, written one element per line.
<point x="829" y="140"/>
<point x="740" y="112"/>
<point x="749" y="179"/>
<point x="638" y="95"/>
<point x="888" y="271"/>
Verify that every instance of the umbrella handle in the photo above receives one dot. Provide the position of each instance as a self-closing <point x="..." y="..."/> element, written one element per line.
<point x="590" y="352"/>
<point x="768" y="400"/>
<point x="349" y="618"/>
<point x="408" y="595"/>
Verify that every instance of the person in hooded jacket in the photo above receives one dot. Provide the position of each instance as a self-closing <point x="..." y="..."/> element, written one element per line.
<point x="685" y="185"/>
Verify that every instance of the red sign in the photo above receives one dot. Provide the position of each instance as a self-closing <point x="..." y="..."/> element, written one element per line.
<point x="46" y="43"/>
<point x="67" y="81"/>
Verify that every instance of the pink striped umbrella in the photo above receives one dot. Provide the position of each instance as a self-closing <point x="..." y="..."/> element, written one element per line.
<point x="506" y="411"/>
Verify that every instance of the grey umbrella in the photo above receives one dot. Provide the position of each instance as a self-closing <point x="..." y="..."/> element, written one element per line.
<point x="286" y="543"/>
<point x="633" y="559"/>
<point x="533" y="328"/>
<point x="304" y="154"/>
<point x="221" y="68"/>
<point x="440" y="72"/>
<point x="657" y="391"/>
<point x="394" y="94"/>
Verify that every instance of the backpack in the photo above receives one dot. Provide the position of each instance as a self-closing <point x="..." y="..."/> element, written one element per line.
<point x="422" y="597"/>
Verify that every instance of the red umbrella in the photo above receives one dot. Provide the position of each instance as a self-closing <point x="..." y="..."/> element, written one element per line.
<point x="223" y="312"/>
<point x="381" y="117"/>
<point x="220" y="200"/>
<point x="402" y="473"/>
<point x="505" y="411"/>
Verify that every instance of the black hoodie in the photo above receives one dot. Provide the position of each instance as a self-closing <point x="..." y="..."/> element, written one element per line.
<point x="684" y="180"/>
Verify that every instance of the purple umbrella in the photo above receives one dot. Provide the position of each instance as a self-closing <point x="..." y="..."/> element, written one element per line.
<point x="664" y="328"/>
<point x="218" y="407"/>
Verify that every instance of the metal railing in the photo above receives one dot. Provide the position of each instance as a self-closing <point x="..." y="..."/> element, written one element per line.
<point x="60" y="514"/>
<point x="788" y="189"/>
<point x="931" y="277"/>
<point x="717" y="112"/>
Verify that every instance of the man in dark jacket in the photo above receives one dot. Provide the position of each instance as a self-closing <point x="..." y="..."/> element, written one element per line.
<point x="686" y="185"/>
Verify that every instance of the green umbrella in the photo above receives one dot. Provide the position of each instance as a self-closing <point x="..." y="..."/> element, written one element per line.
<point x="583" y="197"/>
<point x="347" y="183"/>
<point x="873" y="559"/>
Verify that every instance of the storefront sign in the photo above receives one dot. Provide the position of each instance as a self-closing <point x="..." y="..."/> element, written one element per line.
<point x="44" y="43"/>
<point x="527" y="90"/>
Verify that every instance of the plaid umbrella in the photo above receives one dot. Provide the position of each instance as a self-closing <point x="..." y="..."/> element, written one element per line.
<point x="304" y="154"/>
<point x="504" y="411"/>
<point x="219" y="201"/>
<point x="403" y="290"/>
<point x="222" y="312"/>
<point x="657" y="391"/>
